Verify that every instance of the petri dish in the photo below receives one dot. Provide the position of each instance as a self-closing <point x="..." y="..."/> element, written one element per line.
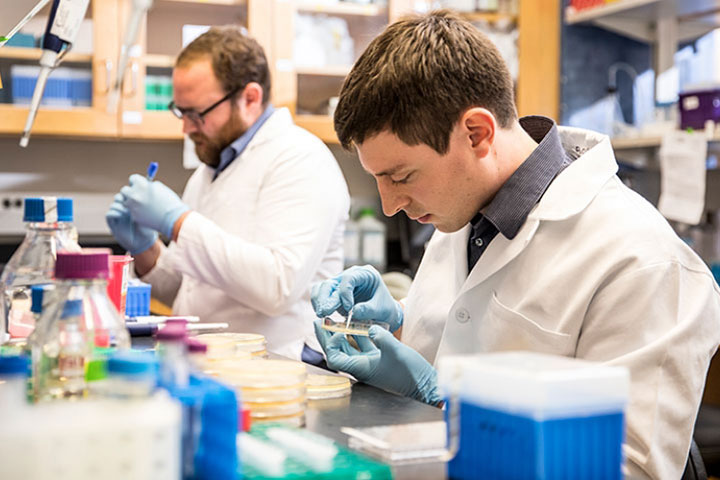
<point x="320" y="387"/>
<point x="352" y="328"/>
<point x="275" y="409"/>
<point x="295" y="420"/>
<point x="218" y="347"/>
<point x="244" y="342"/>
<point x="264" y="395"/>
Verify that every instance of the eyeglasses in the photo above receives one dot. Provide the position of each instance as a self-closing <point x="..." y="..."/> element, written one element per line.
<point x="195" y="116"/>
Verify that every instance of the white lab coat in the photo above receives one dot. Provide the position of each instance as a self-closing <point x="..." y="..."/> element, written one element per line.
<point x="268" y="227"/>
<point x="595" y="273"/>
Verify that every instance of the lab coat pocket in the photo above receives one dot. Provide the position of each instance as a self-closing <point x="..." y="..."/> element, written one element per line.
<point x="505" y="329"/>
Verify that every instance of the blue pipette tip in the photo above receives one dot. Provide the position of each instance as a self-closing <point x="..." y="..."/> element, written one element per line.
<point x="152" y="170"/>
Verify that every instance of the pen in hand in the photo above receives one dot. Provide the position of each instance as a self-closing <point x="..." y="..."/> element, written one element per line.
<point x="151" y="171"/>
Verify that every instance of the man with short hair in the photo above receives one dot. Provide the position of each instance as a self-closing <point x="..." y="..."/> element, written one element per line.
<point x="539" y="245"/>
<point x="260" y="220"/>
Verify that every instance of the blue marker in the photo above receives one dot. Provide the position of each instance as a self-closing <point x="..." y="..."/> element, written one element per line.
<point x="151" y="171"/>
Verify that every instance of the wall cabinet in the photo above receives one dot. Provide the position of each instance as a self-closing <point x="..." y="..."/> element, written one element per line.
<point x="92" y="121"/>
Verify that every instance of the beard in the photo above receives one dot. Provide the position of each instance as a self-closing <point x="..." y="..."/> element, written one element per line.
<point x="208" y="148"/>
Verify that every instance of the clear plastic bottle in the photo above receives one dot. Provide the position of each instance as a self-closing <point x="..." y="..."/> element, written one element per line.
<point x="81" y="318"/>
<point x="130" y="375"/>
<point x="372" y="244"/>
<point x="13" y="370"/>
<point x="41" y="297"/>
<point x="49" y="229"/>
<point x="351" y="243"/>
<point x="67" y="344"/>
<point x="172" y="353"/>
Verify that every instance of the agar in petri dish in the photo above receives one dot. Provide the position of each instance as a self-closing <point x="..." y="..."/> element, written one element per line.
<point x="327" y="386"/>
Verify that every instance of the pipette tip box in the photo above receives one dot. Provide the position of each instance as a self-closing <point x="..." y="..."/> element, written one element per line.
<point x="526" y="415"/>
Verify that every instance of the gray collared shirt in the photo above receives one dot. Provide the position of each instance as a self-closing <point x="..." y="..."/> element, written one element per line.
<point x="232" y="151"/>
<point x="511" y="206"/>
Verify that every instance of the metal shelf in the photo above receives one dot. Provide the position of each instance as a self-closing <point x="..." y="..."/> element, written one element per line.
<point x="637" y="18"/>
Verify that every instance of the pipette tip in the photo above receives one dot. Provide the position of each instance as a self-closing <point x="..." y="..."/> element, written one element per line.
<point x="25" y="139"/>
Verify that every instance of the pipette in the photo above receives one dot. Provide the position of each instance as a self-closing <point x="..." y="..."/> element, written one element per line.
<point x="66" y="16"/>
<point x="39" y="6"/>
<point x="139" y="9"/>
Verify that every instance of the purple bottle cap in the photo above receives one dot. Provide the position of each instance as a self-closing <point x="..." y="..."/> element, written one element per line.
<point x="90" y="263"/>
<point x="195" y="346"/>
<point x="171" y="333"/>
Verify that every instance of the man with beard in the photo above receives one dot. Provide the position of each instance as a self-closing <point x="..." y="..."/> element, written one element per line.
<point x="255" y="226"/>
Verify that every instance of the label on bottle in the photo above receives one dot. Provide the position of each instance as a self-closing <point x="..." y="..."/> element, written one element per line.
<point x="71" y="366"/>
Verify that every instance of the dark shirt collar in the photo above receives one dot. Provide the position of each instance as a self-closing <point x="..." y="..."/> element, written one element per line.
<point x="232" y="151"/>
<point x="522" y="191"/>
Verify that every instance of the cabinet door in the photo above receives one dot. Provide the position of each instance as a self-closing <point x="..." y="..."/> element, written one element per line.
<point x="327" y="39"/>
<point x="147" y="86"/>
<point x="93" y="120"/>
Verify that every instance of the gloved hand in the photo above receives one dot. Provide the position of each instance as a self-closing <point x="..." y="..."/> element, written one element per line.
<point x="384" y="362"/>
<point x="133" y="238"/>
<point x="152" y="204"/>
<point x="359" y="288"/>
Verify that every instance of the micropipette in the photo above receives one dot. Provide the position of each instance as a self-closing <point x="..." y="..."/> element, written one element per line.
<point x="65" y="19"/>
<point x="139" y="9"/>
<point x="40" y="5"/>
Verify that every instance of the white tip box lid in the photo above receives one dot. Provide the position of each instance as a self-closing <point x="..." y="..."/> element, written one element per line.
<point x="535" y="385"/>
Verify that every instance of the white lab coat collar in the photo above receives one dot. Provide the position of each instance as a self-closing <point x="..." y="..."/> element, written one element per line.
<point x="581" y="181"/>
<point x="569" y="194"/>
<point x="280" y="121"/>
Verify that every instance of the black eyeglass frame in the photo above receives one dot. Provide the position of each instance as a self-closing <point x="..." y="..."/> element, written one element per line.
<point x="195" y="116"/>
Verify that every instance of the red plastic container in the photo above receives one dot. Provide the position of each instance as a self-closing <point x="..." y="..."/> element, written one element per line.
<point x="118" y="280"/>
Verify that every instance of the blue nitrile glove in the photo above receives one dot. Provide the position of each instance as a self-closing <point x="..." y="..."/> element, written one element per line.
<point x="152" y="204"/>
<point x="131" y="236"/>
<point x="359" y="288"/>
<point x="384" y="362"/>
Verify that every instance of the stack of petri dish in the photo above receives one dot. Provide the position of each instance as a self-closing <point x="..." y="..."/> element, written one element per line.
<point x="322" y="387"/>
<point x="273" y="390"/>
<point x="252" y="343"/>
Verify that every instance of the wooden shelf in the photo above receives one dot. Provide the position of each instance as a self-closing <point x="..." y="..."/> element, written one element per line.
<point x="78" y="121"/>
<point x="636" y="18"/>
<point x="341" y="8"/>
<point x="489" y="17"/>
<point x="20" y="53"/>
<point x="207" y="2"/>
<point x="154" y="60"/>
<point x="319" y="125"/>
<point x="330" y="71"/>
